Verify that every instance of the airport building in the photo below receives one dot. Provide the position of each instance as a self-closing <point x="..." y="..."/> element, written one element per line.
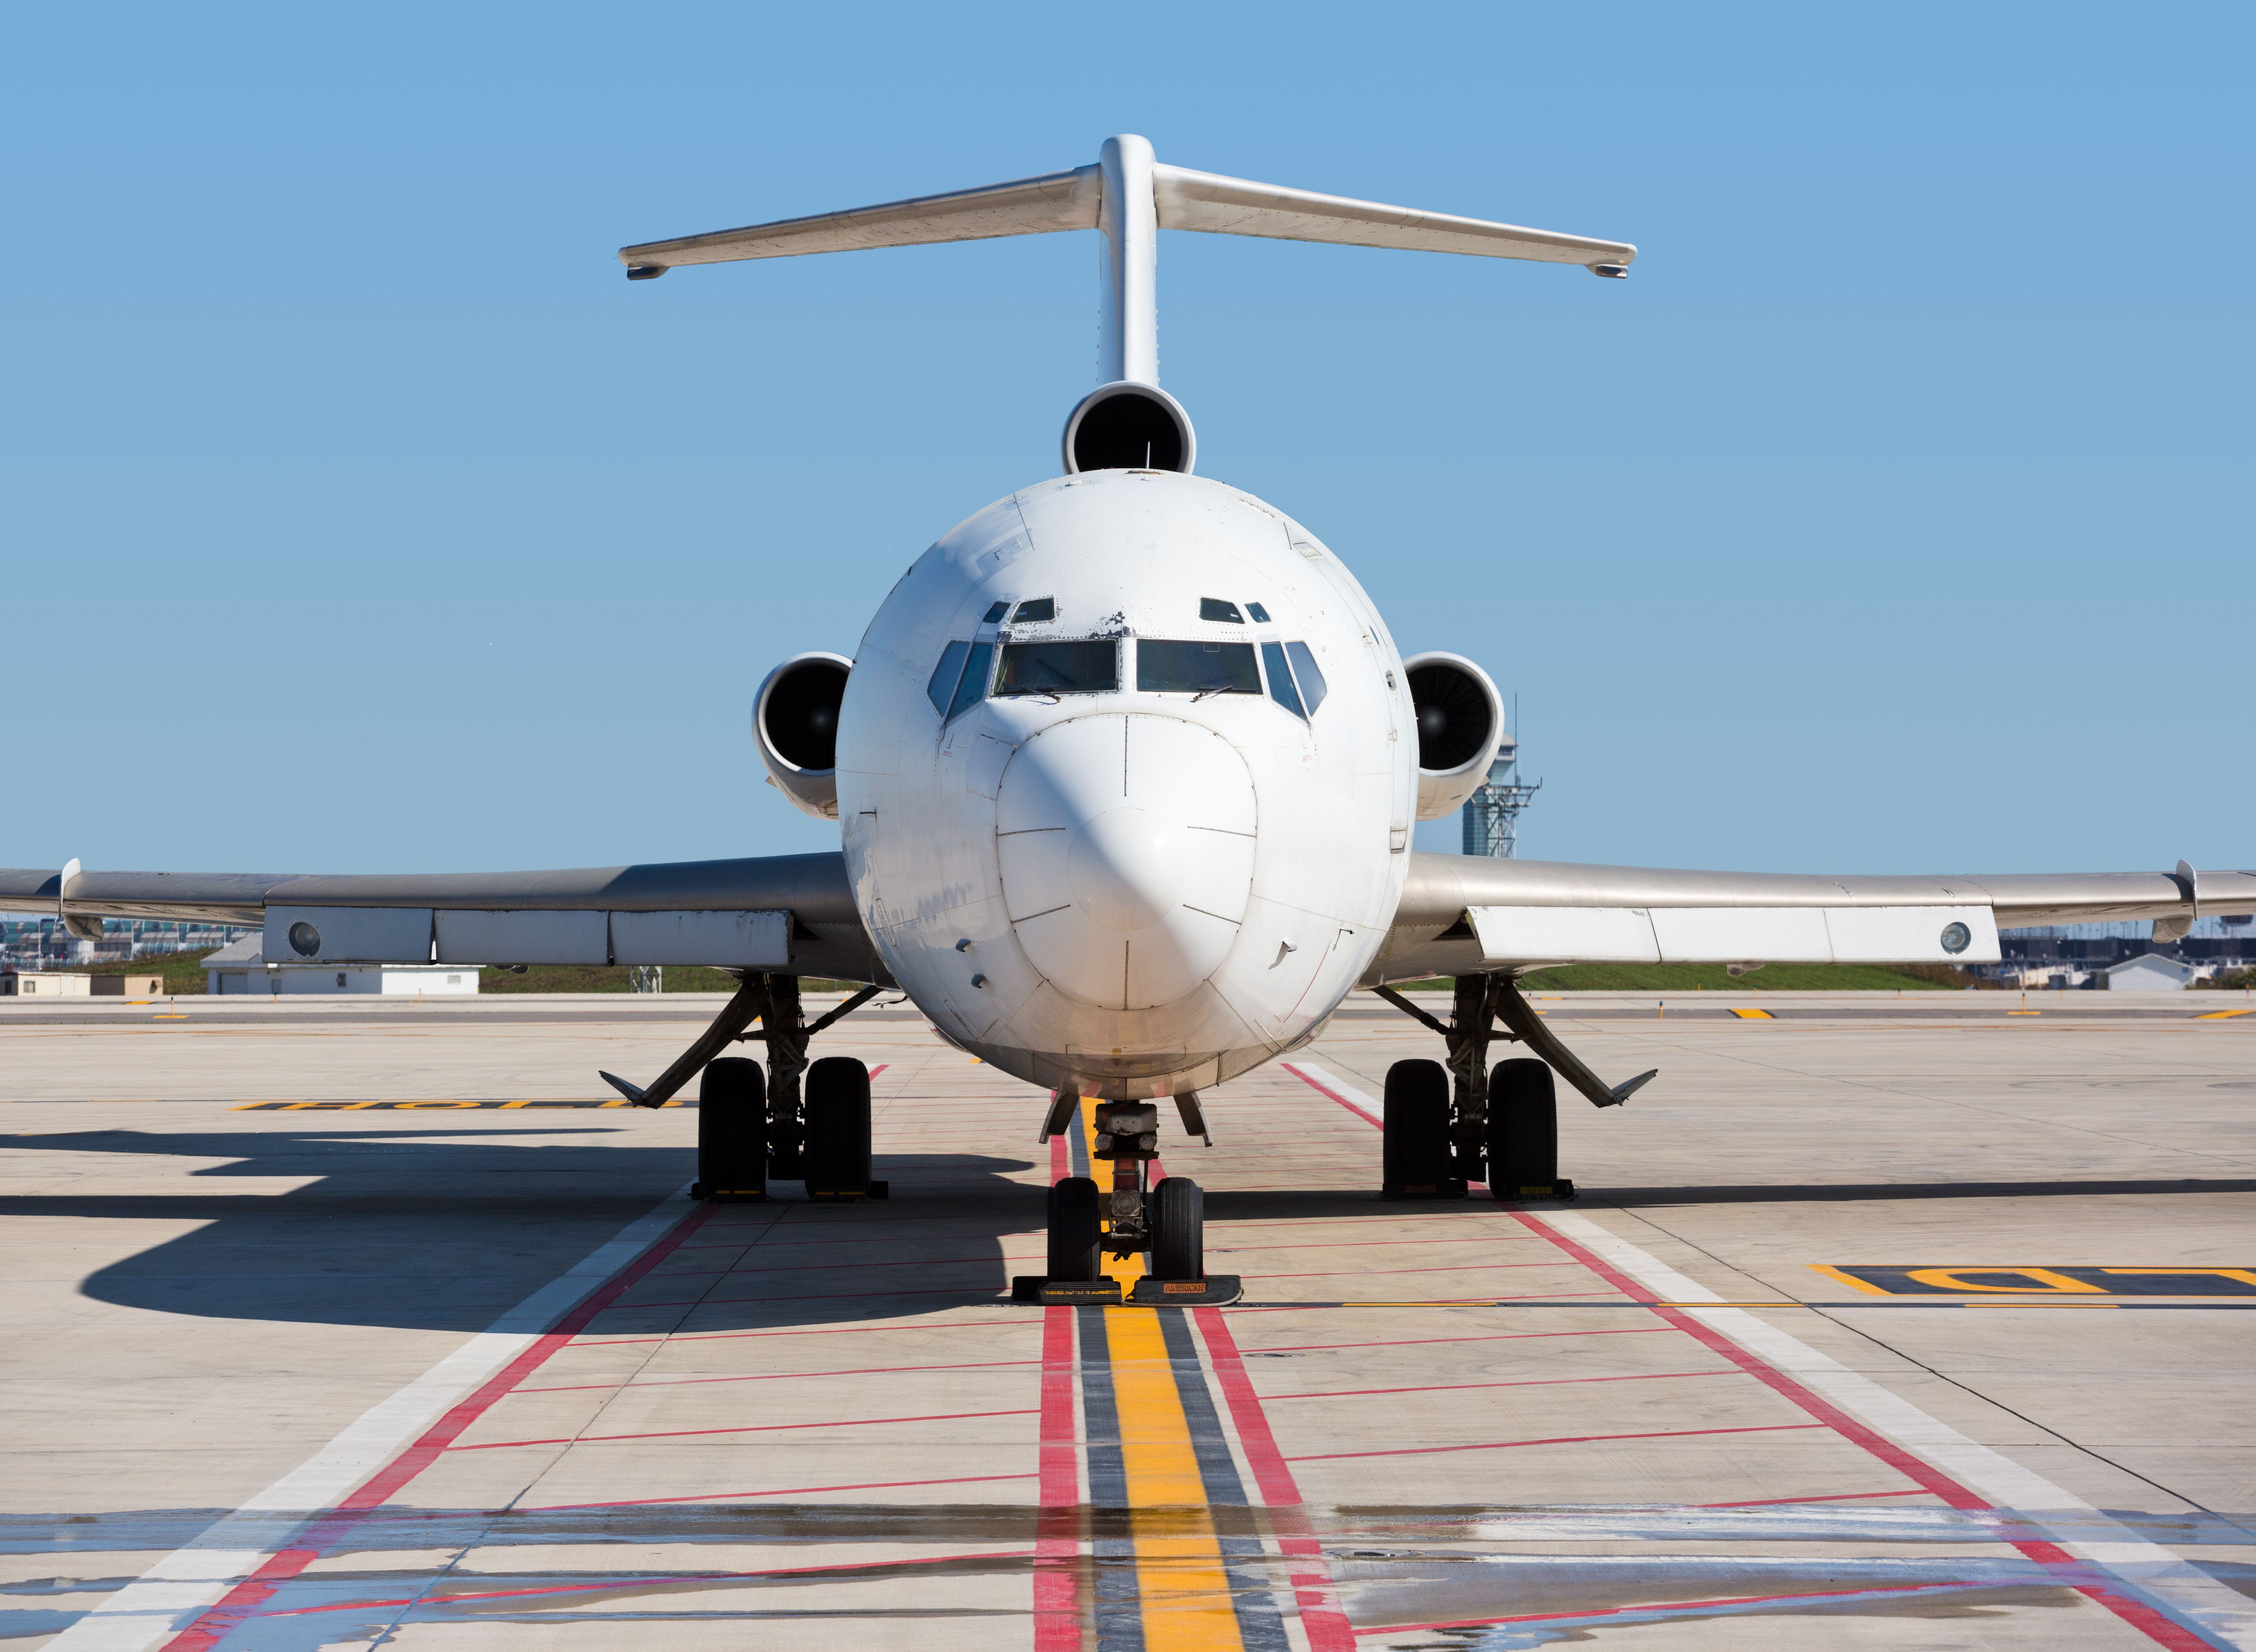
<point x="240" y="971"/>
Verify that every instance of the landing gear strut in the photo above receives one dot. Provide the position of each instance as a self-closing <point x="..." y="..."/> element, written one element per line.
<point x="1445" y="1127"/>
<point x="750" y="1126"/>
<point x="1166" y="1220"/>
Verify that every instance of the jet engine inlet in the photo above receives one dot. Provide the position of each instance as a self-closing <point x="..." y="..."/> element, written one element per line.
<point x="1460" y="720"/>
<point x="795" y="725"/>
<point x="1127" y="426"/>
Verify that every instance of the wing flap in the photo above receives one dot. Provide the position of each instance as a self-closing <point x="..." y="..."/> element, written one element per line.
<point x="1525" y="937"/>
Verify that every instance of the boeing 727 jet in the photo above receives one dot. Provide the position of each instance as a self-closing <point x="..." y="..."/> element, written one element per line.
<point x="1125" y="770"/>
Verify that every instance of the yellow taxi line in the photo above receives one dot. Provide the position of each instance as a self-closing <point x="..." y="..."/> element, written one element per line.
<point x="1181" y="1585"/>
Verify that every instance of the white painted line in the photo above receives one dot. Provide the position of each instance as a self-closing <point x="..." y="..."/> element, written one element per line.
<point x="164" y="1600"/>
<point x="2217" y="1610"/>
<point x="1331" y="1080"/>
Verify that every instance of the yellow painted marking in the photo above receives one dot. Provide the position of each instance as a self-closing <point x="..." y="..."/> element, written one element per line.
<point x="2025" y="1012"/>
<point x="1850" y="1280"/>
<point x="1947" y="1279"/>
<point x="1184" y="1590"/>
<point x="1754" y="1015"/>
<point x="2224" y="1015"/>
<point x="1179" y="1579"/>
<point x="2246" y="1276"/>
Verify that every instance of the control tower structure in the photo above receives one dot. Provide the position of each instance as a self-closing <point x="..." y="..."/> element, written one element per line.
<point x="1491" y="815"/>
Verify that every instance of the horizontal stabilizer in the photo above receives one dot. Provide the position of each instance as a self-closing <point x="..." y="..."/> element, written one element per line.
<point x="1024" y="206"/>
<point x="1183" y="200"/>
<point x="1222" y="205"/>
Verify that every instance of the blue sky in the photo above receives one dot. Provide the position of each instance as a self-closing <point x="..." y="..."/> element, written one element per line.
<point x="1892" y="517"/>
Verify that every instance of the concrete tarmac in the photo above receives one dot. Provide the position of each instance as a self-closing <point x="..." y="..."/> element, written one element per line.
<point x="350" y="1323"/>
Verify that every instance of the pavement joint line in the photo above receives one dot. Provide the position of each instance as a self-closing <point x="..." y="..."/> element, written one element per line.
<point x="746" y="1428"/>
<point x="2167" y="1596"/>
<point x="1564" y="1439"/>
<point x="218" y="1578"/>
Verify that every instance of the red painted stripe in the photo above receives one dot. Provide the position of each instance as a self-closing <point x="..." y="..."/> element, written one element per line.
<point x="1669" y="1605"/>
<point x="748" y="1428"/>
<point x="451" y="1599"/>
<point x="1829" y="1497"/>
<point x="1563" y="1439"/>
<point x="1057" y="1536"/>
<point x="1363" y="1114"/>
<point x="1362" y="1273"/>
<point x="1495" y="1336"/>
<point x="1522" y="1382"/>
<point x="215" y="1622"/>
<point x="776" y="1376"/>
<point x="1020" y="1324"/>
<point x="2154" y="1624"/>
<point x="781" y="1491"/>
<point x="1322" y="1617"/>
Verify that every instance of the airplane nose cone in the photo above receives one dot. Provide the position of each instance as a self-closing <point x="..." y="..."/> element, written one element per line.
<point x="1126" y="850"/>
<point x="1126" y="867"/>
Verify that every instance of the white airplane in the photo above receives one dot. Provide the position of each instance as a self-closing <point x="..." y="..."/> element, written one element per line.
<point x="1125" y="769"/>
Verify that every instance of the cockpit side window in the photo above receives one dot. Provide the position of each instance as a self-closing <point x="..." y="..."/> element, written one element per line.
<point x="996" y="612"/>
<point x="1212" y="608"/>
<point x="1260" y="614"/>
<point x="1281" y="678"/>
<point x="1085" y="667"/>
<point x="1312" y="680"/>
<point x="1164" y="667"/>
<point x="1034" y="610"/>
<point x="941" y="689"/>
<point x="973" y="687"/>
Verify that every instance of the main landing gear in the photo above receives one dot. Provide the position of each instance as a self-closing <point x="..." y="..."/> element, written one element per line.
<point x="1501" y="1122"/>
<point x="1167" y="1220"/>
<point x="752" y="1125"/>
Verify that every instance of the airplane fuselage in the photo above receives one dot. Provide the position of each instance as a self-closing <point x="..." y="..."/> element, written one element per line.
<point x="1126" y="771"/>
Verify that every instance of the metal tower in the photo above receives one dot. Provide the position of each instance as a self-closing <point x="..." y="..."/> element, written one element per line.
<point x="1492" y="814"/>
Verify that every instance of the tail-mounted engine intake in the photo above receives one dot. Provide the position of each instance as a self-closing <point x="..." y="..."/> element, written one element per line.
<point x="795" y="725"/>
<point x="1126" y="425"/>
<point x="1460" y="721"/>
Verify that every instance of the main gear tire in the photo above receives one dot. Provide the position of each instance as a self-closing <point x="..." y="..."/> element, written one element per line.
<point x="732" y="1130"/>
<point x="836" y="1157"/>
<point x="1415" y="1137"/>
<point x="1523" y="1129"/>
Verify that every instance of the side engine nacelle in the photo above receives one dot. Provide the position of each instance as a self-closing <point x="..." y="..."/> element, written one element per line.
<point x="795" y="725"/>
<point x="1460" y="722"/>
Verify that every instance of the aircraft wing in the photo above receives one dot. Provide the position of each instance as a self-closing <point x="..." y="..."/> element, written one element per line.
<point x="1463" y="913"/>
<point x="784" y="914"/>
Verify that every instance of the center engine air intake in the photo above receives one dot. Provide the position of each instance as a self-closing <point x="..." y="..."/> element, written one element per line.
<point x="795" y="725"/>
<point x="1127" y="426"/>
<point x="1460" y="721"/>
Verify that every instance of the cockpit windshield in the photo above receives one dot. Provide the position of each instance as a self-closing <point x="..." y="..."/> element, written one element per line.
<point x="1164" y="667"/>
<point x="1058" y="668"/>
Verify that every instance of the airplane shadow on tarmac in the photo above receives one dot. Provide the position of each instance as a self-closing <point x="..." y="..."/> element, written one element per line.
<point x="449" y="1228"/>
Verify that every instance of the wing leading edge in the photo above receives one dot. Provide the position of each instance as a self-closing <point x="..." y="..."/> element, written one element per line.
<point x="1462" y="913"/>
<point x="785" y="914"/>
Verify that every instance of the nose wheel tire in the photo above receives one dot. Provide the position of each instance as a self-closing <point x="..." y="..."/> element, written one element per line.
<point x="1178" y="1215"/>
<point x="836" y="1157"/>
<point x="1414" y="1140"/>
<point x="1076" y="1235"/>
<point x="1523" y="1132"/>
<point x="732" y="1130"/>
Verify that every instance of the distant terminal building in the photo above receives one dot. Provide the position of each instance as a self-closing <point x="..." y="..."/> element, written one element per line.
<point x="1491" y="815"/>
<point x="42" y="943"/>
<point x="2089" y="955"/>
<point x="239" y="971"/>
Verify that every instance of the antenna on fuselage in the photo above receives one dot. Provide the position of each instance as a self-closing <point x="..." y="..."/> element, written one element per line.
<point x="1129" y="196"/>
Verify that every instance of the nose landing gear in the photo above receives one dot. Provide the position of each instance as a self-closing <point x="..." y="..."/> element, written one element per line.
<point x="1167" y="1220"/>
